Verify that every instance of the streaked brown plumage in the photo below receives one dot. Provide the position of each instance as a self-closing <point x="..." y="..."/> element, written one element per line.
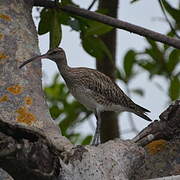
<point x="93" y="89"/>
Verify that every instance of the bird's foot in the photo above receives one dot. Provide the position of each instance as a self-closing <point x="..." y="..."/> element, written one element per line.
<point x="96" y="140"/>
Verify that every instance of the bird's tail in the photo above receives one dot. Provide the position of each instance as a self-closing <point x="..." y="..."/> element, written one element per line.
<point x="140" y="111"/>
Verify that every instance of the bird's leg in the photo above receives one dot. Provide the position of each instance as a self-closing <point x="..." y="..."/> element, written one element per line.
<point x="96" y="139"/>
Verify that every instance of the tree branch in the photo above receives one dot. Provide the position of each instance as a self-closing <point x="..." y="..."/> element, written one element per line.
<point x="27" y="153"/>
<point x="167" y="128"/>
<point x="31" y="156"/>
<point x="23" y="150"/>
<point x="112" y="22"/>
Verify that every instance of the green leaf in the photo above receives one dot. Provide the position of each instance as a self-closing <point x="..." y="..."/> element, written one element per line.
<point x="129" y="60"/>
<point x="175" y="13"/>
<point x="55" y="111"/>
<point x="50" y="22"/>
<point x="74" y="137"/>
<point x="64" y="17"/>
<point x="67" y="2"/>
<point x="55" y="30"/>
<point x="45" y="21"/>
<point x="174" y="59"/>
<point x="97" y="28"/>
<point x="154" y="51"/>
<point x="120" y="75"/>
<point x="87" y="140"/>
<point x="174" y="89"/>
<point x="74" y="24"/>
<point x="95" y="47"/>
<point x="56" y="92"/>
<point x="149" y="66"/>
<point x="138" y="91"/>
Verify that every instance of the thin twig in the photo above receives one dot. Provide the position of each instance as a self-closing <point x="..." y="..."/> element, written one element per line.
<point x="168" y="21"/>
<point x="112" y="22"/>
<point x="91" y="5"/>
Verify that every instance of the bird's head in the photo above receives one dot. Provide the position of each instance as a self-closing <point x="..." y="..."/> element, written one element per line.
<point x="56" y="54"/>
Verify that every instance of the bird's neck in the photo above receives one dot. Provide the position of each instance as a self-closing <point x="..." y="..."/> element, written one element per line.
<point x="63" y="66"/>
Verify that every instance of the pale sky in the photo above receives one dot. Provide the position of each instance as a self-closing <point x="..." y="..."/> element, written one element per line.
<point x="145" y="13"/>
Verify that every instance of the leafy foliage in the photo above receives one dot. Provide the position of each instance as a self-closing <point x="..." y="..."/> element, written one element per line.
<point x="175" y="13"/>
<point x="50" y="22"/>
<point x="162" y="61"/>
<point x="129" y="61"/>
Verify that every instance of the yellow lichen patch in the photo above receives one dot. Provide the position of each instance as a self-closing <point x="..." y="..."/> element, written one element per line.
<point x="16" y="89"/>
<point x="5" y="17"/>
<point x="4" y="98"/>
<point x="24" y="116"/>
<point x="28" y="100"/>
<point x="156" y="146"/>
<point x="1" y="36"/>
<point x="3" y="56"/>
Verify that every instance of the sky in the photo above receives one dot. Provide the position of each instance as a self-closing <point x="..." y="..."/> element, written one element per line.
<point x="143" y="13"/>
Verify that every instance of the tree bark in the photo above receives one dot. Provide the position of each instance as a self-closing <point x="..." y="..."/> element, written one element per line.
<point x="21" y="91"/>
<point x="31" y="146"/>
<point x="110" y="126"/>
<point x="27" y="154"/>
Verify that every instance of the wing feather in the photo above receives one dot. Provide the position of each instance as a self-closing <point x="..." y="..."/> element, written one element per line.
<point x="101" y="84"/>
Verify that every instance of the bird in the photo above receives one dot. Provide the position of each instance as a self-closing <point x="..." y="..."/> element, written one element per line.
<point x="93" y="89"/>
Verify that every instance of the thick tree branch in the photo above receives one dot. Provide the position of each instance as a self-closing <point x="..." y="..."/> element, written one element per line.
<point x="167" y="128"/>
<point x="112" y="22"/>
<point x="23" y="150"/>
<point x="30" y="152"/>
<point x="26" y="158"/>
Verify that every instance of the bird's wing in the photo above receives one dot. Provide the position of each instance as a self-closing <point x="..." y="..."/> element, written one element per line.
<point x="105" y="91"/>
<point x="101" y="84"/>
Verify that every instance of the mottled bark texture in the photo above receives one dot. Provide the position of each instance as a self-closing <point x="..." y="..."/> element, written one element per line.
<point x="31" y="146"/>
<point x="163" y="153"/>
<point x="21" y="95"/>
<point x="27" y="154"/>
<point x="20" y="90"/>
<point x="109" y="127"/>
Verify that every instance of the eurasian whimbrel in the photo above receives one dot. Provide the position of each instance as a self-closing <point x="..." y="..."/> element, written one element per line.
<point x="96" y="91"/>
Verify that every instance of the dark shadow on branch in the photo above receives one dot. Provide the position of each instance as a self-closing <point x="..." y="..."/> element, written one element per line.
<point x="25" y="153"/>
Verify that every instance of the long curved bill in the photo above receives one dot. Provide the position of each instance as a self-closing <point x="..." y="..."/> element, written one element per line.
<point x="32" y="59"/>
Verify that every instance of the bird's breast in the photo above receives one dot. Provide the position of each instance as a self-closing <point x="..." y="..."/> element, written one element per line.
<point x="84" y="96"/>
